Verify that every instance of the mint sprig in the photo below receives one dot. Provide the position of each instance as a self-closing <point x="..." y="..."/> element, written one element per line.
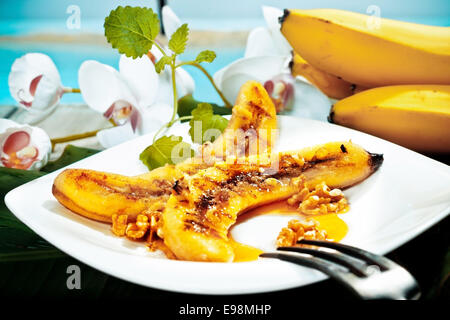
<point x="132" y="30"/>
<point x="166" y="150"/>
<point x="162" y="63"/>
<point x="206" y="56"/>
<point x="178" y="40"/>
<point x="205" y="125"/>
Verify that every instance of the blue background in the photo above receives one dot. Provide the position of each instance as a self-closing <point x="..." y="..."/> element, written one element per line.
<point x="20" y="19"/>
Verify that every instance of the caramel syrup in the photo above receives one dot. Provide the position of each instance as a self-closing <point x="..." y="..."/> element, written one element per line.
<point x="335" y="227"/>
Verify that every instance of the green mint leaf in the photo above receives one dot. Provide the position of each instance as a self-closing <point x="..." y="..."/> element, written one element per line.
<point x="131" y="30"/>
<point x="187" y="103"/>
<point x="178" y="40"/>
<point x="205" y="125"/>
<point x="166" y="150"/>
<point x="206" y="56"/>
<point x="161" y="63"/>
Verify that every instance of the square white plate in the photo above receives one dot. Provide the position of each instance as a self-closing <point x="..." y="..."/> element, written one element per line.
<point x="407" y="195"/>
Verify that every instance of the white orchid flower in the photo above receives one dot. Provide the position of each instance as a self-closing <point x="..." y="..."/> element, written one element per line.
<point x="23" y="146"/>
<point x="266" y="59"/>
<point x="35" y="84"/>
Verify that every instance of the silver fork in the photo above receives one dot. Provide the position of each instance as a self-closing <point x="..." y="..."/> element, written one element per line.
<point x="367" y="275"/>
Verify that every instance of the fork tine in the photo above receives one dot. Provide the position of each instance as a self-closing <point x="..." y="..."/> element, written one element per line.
<point x="355" y="266"/>
<point x="364" y="255"/>
<point x="330" y="269"/>
<point x="312" y="262"/>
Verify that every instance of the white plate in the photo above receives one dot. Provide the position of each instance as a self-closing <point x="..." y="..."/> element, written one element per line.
<point x="407" y="195"/>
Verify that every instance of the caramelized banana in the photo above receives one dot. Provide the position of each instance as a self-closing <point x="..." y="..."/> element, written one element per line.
<point x="204" y="206"/>
<point x="252" y="127"/>
<point x="99" y="195"/>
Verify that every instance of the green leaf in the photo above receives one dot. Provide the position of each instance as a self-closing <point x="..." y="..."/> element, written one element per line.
<point x="161" y="63"/>
<point x="166" y="150"/>
<point x="21" y="245"/>
<point x="70" y="155"/>
<point x="17" y="241"/>
<point x="30" y="266"/>
<point x="131" y="30"/>
<point x="187" y="103"/>
<point x="205" y="125"/>
<point x="206" y="56"/>
<point x="12" y="178"/>
<point x="179" y="38"/>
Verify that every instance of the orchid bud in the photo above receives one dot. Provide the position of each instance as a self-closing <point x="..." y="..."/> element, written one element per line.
<point x="34" y="82"/>
<point x="23" y="146"/>
<point x="281" y="90"/>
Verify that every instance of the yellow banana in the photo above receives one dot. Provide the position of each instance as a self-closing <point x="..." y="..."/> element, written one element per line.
<point x="369" y="51"/>
<point x="333" y="86"/>
<point x="414" y="116"/>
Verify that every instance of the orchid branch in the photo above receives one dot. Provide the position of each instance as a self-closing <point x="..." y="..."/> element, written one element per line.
<point x="71" y="90"/>
<point x="79" y="136"/>
<point x="74" y="137"/>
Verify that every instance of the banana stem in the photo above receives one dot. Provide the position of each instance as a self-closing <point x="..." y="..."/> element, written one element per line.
<point x="199" y="66"/>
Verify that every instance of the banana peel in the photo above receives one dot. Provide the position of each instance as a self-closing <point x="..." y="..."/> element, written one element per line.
<point x="332" y="86"/>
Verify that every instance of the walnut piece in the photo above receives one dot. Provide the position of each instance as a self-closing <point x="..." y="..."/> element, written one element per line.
<point x="321" y="200"/>
<point x="297" y="230"/>
<point x="148" y="225"/>
<point x="137" y="230"/>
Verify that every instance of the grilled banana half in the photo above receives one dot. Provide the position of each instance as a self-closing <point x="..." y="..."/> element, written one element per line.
<point x="197" y="201"/>
<point x="99" y="195"/>
<point x="204" y="206"/>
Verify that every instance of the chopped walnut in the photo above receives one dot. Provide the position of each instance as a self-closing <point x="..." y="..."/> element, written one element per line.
<point x="155" y="226"/>
<point x="148" y="225"/>
<point x="119" y="224"/>
<point x="321" y="200"/>
<point x="297" y="230"/>
<point x="137" y="230"/>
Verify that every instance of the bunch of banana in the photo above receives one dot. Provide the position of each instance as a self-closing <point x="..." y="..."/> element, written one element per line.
<point x="414" y="116"/>
<point x="347" y="45"/>
<point x="343" y="52"/>
<point x="331" y="85"/>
